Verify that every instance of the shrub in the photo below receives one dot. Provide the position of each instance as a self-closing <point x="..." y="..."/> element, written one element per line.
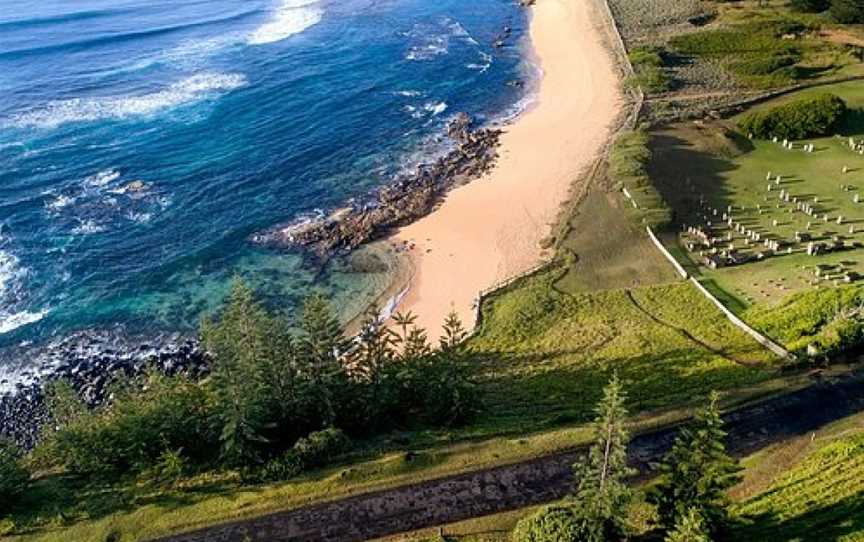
<point x="315" y="450"/>
<point x="648" y="70"/>
<point x="847" y="11"/>
<point x="133" y="433"/>
<point x="14" y="479"/>
<point x="551" y="524"/>
<point x="764" y="65"/>
<point x="805" y="117"/>
<point x="810" y="6"/>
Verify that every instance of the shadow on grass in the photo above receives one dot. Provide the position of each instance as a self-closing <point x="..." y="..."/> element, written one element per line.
<point x="823" y="524"/>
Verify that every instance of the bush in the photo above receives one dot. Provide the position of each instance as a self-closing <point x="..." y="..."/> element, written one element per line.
<point x="315" y="450"/>
<point x="764" y="65"/>
<point x="809" y="6"/>
<point x="648" y="70"/>
<point x="133" y="433"/>
<point x="847" y="11"/>
<point x="14" y="479"/>
<point x="551" y="524"/>
<point x="805" y="117"/>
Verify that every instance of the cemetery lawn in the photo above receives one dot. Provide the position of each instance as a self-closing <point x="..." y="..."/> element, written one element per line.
<point x="710" y="159"/>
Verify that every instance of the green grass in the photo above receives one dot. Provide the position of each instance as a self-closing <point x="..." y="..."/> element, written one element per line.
<point x="542" y="357"/>
<point x="730" y="171"/>
<point x="766" y="47"/>
<point x="817" y="496"/>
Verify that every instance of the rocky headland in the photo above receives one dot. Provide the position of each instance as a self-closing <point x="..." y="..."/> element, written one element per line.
<point x="407" y="198"/>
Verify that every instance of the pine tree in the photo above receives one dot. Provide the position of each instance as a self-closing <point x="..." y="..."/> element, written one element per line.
<point x="320" y="346"/>
<point x="690" y="527"/>
<point x="454" y="333"/>
<point x="602" y="491"/>
<point x="697" y="471"/>
<point x="239" y="342"/>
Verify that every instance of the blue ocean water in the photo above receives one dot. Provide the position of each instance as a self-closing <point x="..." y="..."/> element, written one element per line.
<point x="143" y="141"/>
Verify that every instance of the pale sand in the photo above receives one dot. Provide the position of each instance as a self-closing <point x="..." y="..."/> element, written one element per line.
<point x="490" y="230"/>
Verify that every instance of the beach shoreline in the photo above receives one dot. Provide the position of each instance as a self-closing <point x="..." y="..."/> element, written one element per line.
<point x="490" y="230"/>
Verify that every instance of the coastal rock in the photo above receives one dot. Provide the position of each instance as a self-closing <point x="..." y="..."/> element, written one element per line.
<point x="90" y="361"/>
<point x="406" y="199"/>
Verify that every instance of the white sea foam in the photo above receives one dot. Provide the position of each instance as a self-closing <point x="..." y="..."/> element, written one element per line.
<point x="87" y="227"/>
<point x="435" y="108"/>
<point x="140" y="218"/>
<point x="191" y="89"/>
<point x="409" y="93"/>
<point x="484" y="65"/>
<point x="102" y="178"/>
<point x="10" y="271"/>
<point x="8" y="321"/>
<point x="11" y="275"/>
<point x="60" y="202"/>
<point x="291" y="17"/>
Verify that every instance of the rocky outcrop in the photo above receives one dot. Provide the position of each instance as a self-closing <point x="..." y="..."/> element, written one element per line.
<point x="406" y="199"/>
<point x="90" y="361"/>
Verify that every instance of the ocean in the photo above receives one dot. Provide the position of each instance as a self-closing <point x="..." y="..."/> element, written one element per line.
<point x="143" y="141"/>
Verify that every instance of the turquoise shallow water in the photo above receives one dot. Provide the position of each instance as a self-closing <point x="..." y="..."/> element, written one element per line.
<point x="233" y="115"/>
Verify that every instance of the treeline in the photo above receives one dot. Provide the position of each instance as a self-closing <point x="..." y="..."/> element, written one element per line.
<point x="689" y="501"/>
<point x="278" y="400"/>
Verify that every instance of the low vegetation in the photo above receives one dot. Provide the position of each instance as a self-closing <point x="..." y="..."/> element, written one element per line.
<point x="649" y="73"/>
<point x="808" y="116"/>
<point x="628" y="163"/>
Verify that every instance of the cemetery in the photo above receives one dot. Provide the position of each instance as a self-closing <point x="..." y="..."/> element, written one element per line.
<point x="767" y="217"/>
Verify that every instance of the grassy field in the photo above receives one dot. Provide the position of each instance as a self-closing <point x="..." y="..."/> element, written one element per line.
<point x="728" y="170"/>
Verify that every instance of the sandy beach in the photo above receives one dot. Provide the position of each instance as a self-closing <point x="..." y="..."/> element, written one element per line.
<point x="490" y="230"/>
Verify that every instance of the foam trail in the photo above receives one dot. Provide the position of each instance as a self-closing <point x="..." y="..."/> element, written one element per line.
<point x="291" y="17"/>
<point x="191" y="89"/>
<point x="8" y="321"/>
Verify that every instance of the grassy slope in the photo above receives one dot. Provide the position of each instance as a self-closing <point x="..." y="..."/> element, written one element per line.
<point x="542" y="358"/>
<point x="806" y="489"/>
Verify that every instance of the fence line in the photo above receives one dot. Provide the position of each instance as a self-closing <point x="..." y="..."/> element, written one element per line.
<point x="762" y="339"/>
<point x="663" y="250"/>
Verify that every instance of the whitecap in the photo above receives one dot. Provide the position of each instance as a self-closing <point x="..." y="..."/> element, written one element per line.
<point x="191" y="89"/>
<point x="435" y="108"/>
<point x="102" y="178"/>
<point x="483" y="66"/>
<point x="87" y="227"/>
<point x="291" y="17"/>
<point x="10" y="321"/>
<point x="10" y="271"/>
<point x="60" y="202"/>
<point x="408" y="93"/>
<point x="140" y="218"/>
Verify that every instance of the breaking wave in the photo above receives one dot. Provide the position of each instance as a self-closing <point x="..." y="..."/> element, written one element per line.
<point x="291" y="17"/>
<point x="11" y="276"/>
<point x="191" y="89"/>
